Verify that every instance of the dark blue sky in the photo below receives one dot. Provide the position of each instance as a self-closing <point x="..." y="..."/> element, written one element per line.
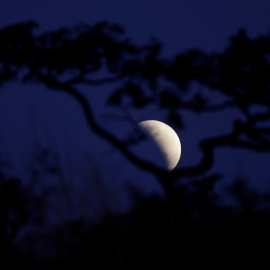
<point x="178" y="25"/>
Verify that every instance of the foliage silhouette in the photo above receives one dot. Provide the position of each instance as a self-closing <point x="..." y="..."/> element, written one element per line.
<point x="190" y="222"/>
<point x="19" y="207"/>
<point x="67" y="58"/>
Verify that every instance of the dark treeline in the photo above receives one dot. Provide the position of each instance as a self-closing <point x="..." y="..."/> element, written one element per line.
<point x="188" y="227"/>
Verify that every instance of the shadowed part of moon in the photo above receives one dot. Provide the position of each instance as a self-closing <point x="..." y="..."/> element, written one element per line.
<point x="166" y="139"/>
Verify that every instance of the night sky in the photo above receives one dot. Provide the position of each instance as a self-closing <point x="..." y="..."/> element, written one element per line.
<point x="32" y="118"/>
<point x="179" y="25"/>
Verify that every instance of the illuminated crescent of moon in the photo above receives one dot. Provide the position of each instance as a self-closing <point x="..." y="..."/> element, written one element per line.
<point x="167" y="140"/>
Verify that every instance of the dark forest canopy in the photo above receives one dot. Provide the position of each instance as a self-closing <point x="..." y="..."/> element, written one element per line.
<point x="69" y="57"/>
<point x="102" y="54"/>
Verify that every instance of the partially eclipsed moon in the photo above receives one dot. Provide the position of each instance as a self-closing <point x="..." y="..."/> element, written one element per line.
<point x="166" y="139"/>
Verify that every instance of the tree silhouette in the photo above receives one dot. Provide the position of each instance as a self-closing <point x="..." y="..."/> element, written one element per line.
<point x="68" y="58"/>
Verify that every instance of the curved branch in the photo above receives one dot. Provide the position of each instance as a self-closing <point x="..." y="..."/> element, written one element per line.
<point x="166" y="179"/>
<point x="209" y="145"/>
<point x="161" y="174"/>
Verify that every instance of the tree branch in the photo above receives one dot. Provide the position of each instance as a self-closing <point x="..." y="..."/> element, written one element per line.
<point x="209" y="145"/>
<point x="122" y="146"/>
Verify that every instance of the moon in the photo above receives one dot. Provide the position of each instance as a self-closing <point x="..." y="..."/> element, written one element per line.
<point x="166" y="139"/>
